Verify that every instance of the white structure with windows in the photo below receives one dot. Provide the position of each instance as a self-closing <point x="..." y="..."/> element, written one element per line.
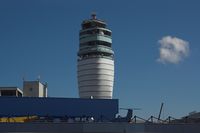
<point x="10" y="91"/>
<point x="34" y="89"/>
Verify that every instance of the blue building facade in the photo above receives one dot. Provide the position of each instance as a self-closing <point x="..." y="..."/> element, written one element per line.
<point x="58" y="107"/>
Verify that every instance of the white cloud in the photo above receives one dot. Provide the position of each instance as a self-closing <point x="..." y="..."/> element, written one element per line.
<point x="172" y="50"/>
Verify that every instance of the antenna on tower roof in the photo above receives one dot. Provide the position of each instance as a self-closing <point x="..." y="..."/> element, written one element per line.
<point x="38" y="78"/>
<point x="94" y="15"/>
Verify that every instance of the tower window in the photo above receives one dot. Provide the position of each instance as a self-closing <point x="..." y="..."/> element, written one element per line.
<point x="96" y="31"/>
<point x="92" y="43"/>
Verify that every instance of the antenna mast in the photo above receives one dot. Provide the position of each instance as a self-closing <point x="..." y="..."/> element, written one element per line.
<point x="161" y="108"/>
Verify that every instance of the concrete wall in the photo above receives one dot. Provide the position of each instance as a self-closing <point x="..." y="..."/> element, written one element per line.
<point x="34" y="89"/>
<point x="98" y="128"/>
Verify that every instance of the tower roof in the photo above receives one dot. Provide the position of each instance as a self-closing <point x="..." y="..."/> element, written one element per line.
<point x="93" y="22"/>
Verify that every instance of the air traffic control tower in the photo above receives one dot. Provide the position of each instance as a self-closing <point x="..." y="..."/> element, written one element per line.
<point x="95" y="60"/>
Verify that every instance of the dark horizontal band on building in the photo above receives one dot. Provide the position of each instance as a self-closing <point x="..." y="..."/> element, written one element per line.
<point x="93" y="57"/>
<point x="93" y="23"/>
<point x="95" y="31"/>
<point x="97" y="42"/>
<point x="95" y="64"/>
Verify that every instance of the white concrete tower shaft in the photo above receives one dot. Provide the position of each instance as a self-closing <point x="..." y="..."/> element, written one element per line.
<point x="95" y="60"/>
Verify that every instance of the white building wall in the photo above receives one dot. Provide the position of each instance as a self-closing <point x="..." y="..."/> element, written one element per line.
<point x="41" y="90"/>
<point x="96" y="77"/>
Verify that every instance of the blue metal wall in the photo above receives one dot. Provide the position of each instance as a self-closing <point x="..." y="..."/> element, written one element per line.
<point x="20" y="106"/>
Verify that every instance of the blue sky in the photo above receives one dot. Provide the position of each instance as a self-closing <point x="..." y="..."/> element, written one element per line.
<point x="41" y="37"/>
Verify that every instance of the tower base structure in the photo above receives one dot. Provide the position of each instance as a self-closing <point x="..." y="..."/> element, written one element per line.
<point x="95" y="78"/>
